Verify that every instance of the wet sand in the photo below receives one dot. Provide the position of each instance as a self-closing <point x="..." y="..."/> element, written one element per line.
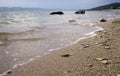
<point x="96" y="56"/>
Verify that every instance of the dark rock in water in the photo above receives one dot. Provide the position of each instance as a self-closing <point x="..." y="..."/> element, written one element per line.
<point x="57" y="13"/>
<point x="103" y="20"/>
<point x="80" y="12"/>
<point x="66" y="55"/>
<point x="71" y="21"/>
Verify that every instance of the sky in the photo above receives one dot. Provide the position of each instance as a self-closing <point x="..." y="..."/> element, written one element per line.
<point x="54" y="4"/>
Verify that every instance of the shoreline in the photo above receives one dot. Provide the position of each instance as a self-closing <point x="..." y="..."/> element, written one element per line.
<point x="87" y="35"/>
<point x="54" y="64"/>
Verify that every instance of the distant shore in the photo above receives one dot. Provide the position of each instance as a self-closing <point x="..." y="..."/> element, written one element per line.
<point x="96" y="56"/>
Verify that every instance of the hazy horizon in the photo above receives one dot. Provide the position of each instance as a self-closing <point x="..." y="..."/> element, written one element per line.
<point x="53" y="4"/>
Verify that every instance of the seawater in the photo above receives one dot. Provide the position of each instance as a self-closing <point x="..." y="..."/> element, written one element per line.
<point x="26" y="35"/>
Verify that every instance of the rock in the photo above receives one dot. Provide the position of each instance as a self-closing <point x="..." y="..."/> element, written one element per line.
<point x="80" y="48"/>
<point x="96" y="43"/>
<point x="67" y="71"/>
<point x="107" y="47"/>
<point x="90" y="65"/>
<point x="80" y="12"/>
<point x="85" y="45"/>
<point x="99" y="59"/>
<point x="9" y="71"/>
<point x="103" y="20"/>
<point x="71" y="21"/>
<point x="66" y="55"/>
<point x="104" y="61"/>
<point x="101" y="36"/>
<point x="57" y="13"/>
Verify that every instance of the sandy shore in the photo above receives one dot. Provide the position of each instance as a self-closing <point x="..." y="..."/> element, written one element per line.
<point x="96" y="56"/>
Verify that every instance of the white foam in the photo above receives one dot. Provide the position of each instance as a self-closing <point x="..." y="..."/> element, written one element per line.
<point x="91" y="24"/>
<point x="50" y="50"/>
<point x="91" y="33"/>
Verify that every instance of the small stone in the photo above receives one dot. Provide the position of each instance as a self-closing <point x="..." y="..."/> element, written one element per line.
<point x="99" y="59"/>
<point x="90" y="65"/>
<point x="101" y="36"/>
<point x="80" y="48"/>
<point x="99" y="31"/>
<point x="70" y="21"/>
<point x="88" y="56"/>
<point x="96" y="43"/>
<point x="66" y="55"/>
<point x="8" y="72"/>
<point x="67" y="71"/>
<point x="85" y="45"/>
<point x="107" y="47"/>
<point x="105" y="69"/>
<point x="104" y="61"/>
<point x="103" y="20"/>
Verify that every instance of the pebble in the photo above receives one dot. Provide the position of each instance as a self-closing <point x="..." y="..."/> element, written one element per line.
<point x="104" y="61"/>
<point x="9" y="72"/>
<point x="90" y="65"/>
<point x="80" y="48"/>
<point x="103" y="20"/>
<point x="105" y="31"/>
<point x="67" y="71"/>
<point x="72" y="21"/>
<point x="101" y="36"/>
<point x="99" y="59"/>
<point x="107" y="47"/>
<point x="66" y="55"/>
<point x="96" y="43"/>
<point x="85" y="46"/>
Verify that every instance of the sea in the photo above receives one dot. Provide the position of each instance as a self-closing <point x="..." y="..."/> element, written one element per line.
<point x="26" y="35"/>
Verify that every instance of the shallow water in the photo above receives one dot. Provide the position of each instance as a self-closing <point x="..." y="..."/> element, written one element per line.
<point x="26" y="35"/>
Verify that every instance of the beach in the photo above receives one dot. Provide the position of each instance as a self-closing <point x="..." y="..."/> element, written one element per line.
<point x="95" y="56"/>
<point x="28" y="35"/>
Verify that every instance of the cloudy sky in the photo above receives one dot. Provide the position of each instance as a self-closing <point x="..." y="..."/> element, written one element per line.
<point x="62" y="4"/>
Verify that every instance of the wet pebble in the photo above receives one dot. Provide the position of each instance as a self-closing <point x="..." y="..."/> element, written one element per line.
<point x="9" y="72"/>
<point x="103" y="20"/>
<point x="66" y="55"/>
